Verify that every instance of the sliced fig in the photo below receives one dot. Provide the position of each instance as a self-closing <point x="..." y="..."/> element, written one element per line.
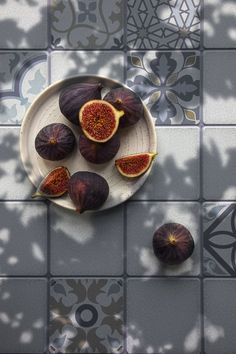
<point x="55" y="142"/>
<point x="99" y="120"/>
<point x="72" y="98"/>
<point x="55" y="184"/>
<point x="99" y="152"/>
<point x="87" y="190"/>
<point x="173" y="243"/>
<point x="127" y="101"/>
<point x="134" y="165"/>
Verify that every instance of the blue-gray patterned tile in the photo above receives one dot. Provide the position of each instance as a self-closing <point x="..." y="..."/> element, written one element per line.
<point x="175" y="171"/>
<point x="169" y="84"/>
<point x="143" y="219"/>
<point x="110" y="64"/>
<point x="87" y="24"/>
<point x="90" y="244"/>
<point x="163" y="24"/>
<point x="23" y="315"/>
<point x="219" y="239"/>
<point x="23" y="24"/>
<point x="23" y="75"/>
<point x="23" y="238"/>
<point x="219" y="321"/>
<point x="163" y="316"/>
<point x="86" y="316"/>
<point x="219" y="168"/>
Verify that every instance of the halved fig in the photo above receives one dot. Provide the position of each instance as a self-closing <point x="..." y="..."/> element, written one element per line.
<point x="99" y="120"/>
<point x="135" y="165"/>
<point x="55" y="184"/>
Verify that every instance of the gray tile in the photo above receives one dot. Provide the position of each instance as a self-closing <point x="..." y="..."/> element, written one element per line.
<point x="110" y="64"/>
<point x="163" y="24"/>
<point x="143" y="219"/>
<point x="90" y="244"/>
<point x="175" y="172"/>
<point x="219" y="323"/>
<point x="169" y="83"/>
<point x="219" y="168"/>
<point x="219" y="24"/>
<point x="163" y="316"/>
<point x="23" y="75"/>
<point x="23" y="309"/>
<point x="87" y="24"/>
<point x="86" y="316"/>
<point x="23" y="24"/>
<point x="219" y="85"/>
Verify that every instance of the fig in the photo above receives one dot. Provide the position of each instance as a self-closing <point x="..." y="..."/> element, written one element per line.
<point x="72" y="98"/>
<point x="135" y="165"/>
<point x="55" y="184"/>
<point x="54" y="142"/>
<point x="87" y="190"/>
<point x="127" y="101"/>
<point x="99" y="120"/>
<point x="173" y="243"/>
<point x="99" y="152"/>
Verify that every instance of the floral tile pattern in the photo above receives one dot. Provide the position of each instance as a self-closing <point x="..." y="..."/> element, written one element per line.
<point x="163" y="24"/>
<point x="86" y="316"/>
<point x="23" y="75"/>
<point x="87" y="24"/>
<point x="168" y="82"/>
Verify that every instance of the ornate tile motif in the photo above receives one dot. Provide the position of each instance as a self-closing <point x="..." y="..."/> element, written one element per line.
<point x="168" y="82"/>
<point x="163" y="24"/>
<point x="86" y="316"/>
<point x="87" y="24"/>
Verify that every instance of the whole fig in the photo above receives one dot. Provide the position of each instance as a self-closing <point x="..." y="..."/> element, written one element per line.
<point x="87" y="190"/>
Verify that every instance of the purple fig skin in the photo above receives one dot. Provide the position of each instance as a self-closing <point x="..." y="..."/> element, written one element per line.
<point x="129" y="102"/>
<point x="87" y="190"/>
<point x="72" y="98"/>
<point x="173" y="243"/>
<point x="99" y="152"/>
<point x="55" y="142"/>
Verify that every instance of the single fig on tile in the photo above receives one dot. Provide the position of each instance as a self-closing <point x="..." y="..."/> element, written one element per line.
<point x="127" y="101"/>
<point x="134" y="165"/>
<point x="173" y="243"/>
<point x="99" y="152"/>
<point x="99" y="120"/>
<point x="55" y="184"/>
<point x="87" y="190"/>
<point x="73" y="97"/>
<point x="55" y="142"/>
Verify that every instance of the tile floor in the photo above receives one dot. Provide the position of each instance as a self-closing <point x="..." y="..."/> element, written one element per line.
<point x="92" y="284"/>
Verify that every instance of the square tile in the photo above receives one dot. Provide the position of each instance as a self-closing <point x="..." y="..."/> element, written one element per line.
<point x="175" y="172"/>
<point x="169" y="84"/>
<point x="86" y="316"/>
<point x="163" y="24"/>
<point x="23" y="238"/>
<point x="143" y="219"/>
<point x="24" y="24"/>
<point x="23" y="315"/>
<point x="219" y="104"/>
<point x="155" y="310"/>
<point x="23" y="75"/>
<point x="88" y="244"/>
<point x="219" y="239"/>
<point x="219" y="24"/>
<point x="87" y="24"/>
<point x="219" y="323"/>
<point x="219" y="168"/>
<point x="110" y="64"/>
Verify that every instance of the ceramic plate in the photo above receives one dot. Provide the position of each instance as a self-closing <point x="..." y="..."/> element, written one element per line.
<point x="45" y="110"/>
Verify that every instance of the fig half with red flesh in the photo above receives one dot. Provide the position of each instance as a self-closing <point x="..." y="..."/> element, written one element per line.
<point x="173" y="243"/>
<point x="99" y="120"/>
<point x="134" y="165"/>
